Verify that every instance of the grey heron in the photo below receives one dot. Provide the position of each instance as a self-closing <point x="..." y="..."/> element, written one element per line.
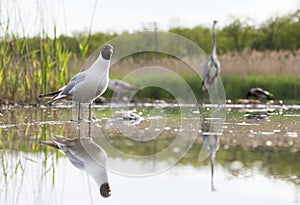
<point x="210" y="145"/>
<point x="212" y="66"/>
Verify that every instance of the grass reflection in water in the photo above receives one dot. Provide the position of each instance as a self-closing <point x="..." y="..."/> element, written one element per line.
<point x="269" y="146"/>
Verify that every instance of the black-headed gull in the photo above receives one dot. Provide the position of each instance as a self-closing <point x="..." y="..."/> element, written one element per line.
<point x="86" y="155"/>
<point x="87" y="85"/>
<point x="212" y="66"/>
<point x="259" y="94"/>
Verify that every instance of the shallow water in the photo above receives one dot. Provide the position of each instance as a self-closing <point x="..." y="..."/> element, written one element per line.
<point x="155" y="159"/>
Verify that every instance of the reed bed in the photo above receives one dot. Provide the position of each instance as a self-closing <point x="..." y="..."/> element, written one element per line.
<point x="25" y="73"/>
<point x="277" y="72"/>
<point x="31" y="66"/>
<point x="247" y="62"/>
<point x="261" y="63"/>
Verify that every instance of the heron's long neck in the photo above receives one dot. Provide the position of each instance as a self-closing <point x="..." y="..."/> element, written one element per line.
<point x="213" y="52"/>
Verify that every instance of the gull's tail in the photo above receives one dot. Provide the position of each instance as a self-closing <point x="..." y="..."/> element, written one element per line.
<point x="53" y="95"/>
<point x="48" y="143"/>
<point x="57" y="141"/>
<point x="50" y="95"/>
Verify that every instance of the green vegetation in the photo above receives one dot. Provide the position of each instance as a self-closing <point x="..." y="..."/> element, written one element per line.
<point x="285" y="88"/>
<point x="279" y="33"/>
<point x="28" y="64"/>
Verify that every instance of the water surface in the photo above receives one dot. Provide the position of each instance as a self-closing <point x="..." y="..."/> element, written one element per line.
<point x="257" y="160"/>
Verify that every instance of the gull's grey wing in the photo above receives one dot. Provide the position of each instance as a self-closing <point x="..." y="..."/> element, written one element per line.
<point x="79" y="77"/>
<point x="75" y="160"/>
<point x="69" y="147"/>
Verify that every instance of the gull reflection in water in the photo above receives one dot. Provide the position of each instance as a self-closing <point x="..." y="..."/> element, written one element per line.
<point x="86" y="155"/>
<point x="210" y="137"/>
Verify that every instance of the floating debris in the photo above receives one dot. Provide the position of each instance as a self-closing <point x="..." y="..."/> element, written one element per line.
<point x="247" y="101"/>
<point x="196" y="112"/>
<point x="292" y="134"/>
<point x="245" y="123"/>
<point x="167" y="128"/>
<point x="236" y="165"/>
<point x="176" y="149"/>
<point x="266" y="133"/>
<point x="157" y="129"/>
<point x="269" y="143"/>
<point x="292" y="115"/>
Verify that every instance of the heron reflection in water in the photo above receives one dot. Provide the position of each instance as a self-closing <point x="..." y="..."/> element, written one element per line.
<point x="86" y="155"/>
<point x="210" y="137"/>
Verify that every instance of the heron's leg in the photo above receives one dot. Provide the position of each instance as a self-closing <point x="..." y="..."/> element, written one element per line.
<point x="79" y="105"/>
<point x="79" y="120"/>
<point x="212" y="161"/>
<point x="78" y="129"/>
<point x="89" y="133"/>
<point x="90" y="111"/>
<point x="90" y="119"/>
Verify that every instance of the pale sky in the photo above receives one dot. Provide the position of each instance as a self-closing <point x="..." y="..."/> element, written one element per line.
<point x="28" y="16"/>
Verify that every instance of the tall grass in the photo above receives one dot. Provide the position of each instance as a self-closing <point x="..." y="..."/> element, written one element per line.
<point x="261" y="62"/>
<point x="25" y="71"/>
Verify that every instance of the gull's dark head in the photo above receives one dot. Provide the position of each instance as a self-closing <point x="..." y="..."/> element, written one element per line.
<point x="249" y="93"/>
<point x="107" y="52"/>
<point x="105" y="190"/>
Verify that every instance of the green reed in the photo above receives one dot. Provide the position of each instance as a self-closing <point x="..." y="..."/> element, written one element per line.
<point x="286" y="88"/>
<point x="27" y="69"/>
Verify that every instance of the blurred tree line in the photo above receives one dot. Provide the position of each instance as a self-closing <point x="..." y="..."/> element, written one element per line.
<point x="276" y="33"/>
